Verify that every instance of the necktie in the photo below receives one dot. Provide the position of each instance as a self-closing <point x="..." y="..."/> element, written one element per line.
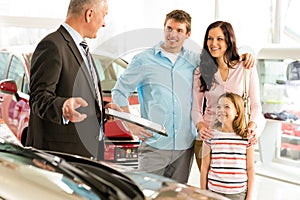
<point x="92" y="72"/>
<point x="95" y="80"/>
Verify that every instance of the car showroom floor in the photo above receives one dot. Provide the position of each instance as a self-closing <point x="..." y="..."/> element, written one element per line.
<point x="265" y="188"/>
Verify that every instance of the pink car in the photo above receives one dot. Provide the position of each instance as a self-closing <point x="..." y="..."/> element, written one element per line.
<point x="14" y="80"/>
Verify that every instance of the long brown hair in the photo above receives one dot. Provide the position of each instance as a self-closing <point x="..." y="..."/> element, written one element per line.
<point x="238" y="123"/>
<point x="208" y="64"/>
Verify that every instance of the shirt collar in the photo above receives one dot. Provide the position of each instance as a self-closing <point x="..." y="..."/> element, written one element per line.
<point x="158" y="49"/>
<point x="74" y="34"/>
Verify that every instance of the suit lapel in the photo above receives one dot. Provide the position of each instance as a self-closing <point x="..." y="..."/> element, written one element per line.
<point x="71" y="44"/>
<point x="78" y="57"/>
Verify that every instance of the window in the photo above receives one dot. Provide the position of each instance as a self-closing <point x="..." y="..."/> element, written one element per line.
<point x="16" y="72"/>
<point x="109" y="70"/>
<point x="291" y="29"/>
<point x="4" y="58"/>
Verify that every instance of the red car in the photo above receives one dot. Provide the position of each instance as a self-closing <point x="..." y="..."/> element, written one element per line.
<point x="14" y="81"/>
<point x="120" y="146"/>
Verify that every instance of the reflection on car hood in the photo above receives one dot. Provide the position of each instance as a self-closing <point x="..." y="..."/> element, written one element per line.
<point x="19" y="175"/>
<point x="161" y="188"/>
<point x="44" y="174"/>
<point x="17" y="180"/>
<point x="64" y="176"/>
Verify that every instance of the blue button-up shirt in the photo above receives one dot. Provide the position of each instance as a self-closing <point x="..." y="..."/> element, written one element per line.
<point x="164" y="93"/>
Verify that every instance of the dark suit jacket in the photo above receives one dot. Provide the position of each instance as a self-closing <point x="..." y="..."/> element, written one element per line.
<point x="58" y="72"/>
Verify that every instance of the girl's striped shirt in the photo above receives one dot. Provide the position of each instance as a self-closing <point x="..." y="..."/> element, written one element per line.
<point x="227" y="173"/>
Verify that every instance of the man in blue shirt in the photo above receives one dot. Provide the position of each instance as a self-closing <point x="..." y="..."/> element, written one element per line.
<point x="163" y="78"/>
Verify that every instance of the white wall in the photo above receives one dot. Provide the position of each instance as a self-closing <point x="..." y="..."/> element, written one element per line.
<point x="252" y="20"/>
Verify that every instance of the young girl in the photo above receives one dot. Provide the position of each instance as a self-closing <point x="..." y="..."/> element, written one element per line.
<point x="228" y="158"/>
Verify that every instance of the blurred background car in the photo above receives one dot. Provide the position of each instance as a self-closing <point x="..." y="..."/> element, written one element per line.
<point x="120" y="146"/>
<point x="14" y="82"/>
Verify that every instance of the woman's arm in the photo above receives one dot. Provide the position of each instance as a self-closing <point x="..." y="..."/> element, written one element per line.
<point x="257" y="120"/>
<point x="198" y="98"/>
<point x="197" y="108"/>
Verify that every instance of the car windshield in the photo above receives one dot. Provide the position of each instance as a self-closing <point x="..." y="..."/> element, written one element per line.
<point x="109" y="70"/>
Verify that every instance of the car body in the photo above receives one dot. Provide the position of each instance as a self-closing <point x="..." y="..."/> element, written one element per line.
<point x="29" y="173"/>
<point x="120" y="146"/>
<point x="14" y="81"/>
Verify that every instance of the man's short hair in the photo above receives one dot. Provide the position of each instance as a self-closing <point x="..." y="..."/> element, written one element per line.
<point x="180" y="16"/>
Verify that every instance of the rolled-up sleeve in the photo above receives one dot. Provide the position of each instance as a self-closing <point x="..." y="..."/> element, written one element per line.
<point x="127" y="83"/>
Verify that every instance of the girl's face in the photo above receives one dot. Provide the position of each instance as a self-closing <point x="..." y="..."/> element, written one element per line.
<point x="216" y="42"/>
<point x="226" y="111"/>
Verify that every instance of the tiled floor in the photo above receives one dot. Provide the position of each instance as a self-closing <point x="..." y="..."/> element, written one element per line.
<point x="265" y="188"/>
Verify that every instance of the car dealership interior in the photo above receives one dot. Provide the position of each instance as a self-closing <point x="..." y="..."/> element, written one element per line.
<point x="268" y="29"/>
